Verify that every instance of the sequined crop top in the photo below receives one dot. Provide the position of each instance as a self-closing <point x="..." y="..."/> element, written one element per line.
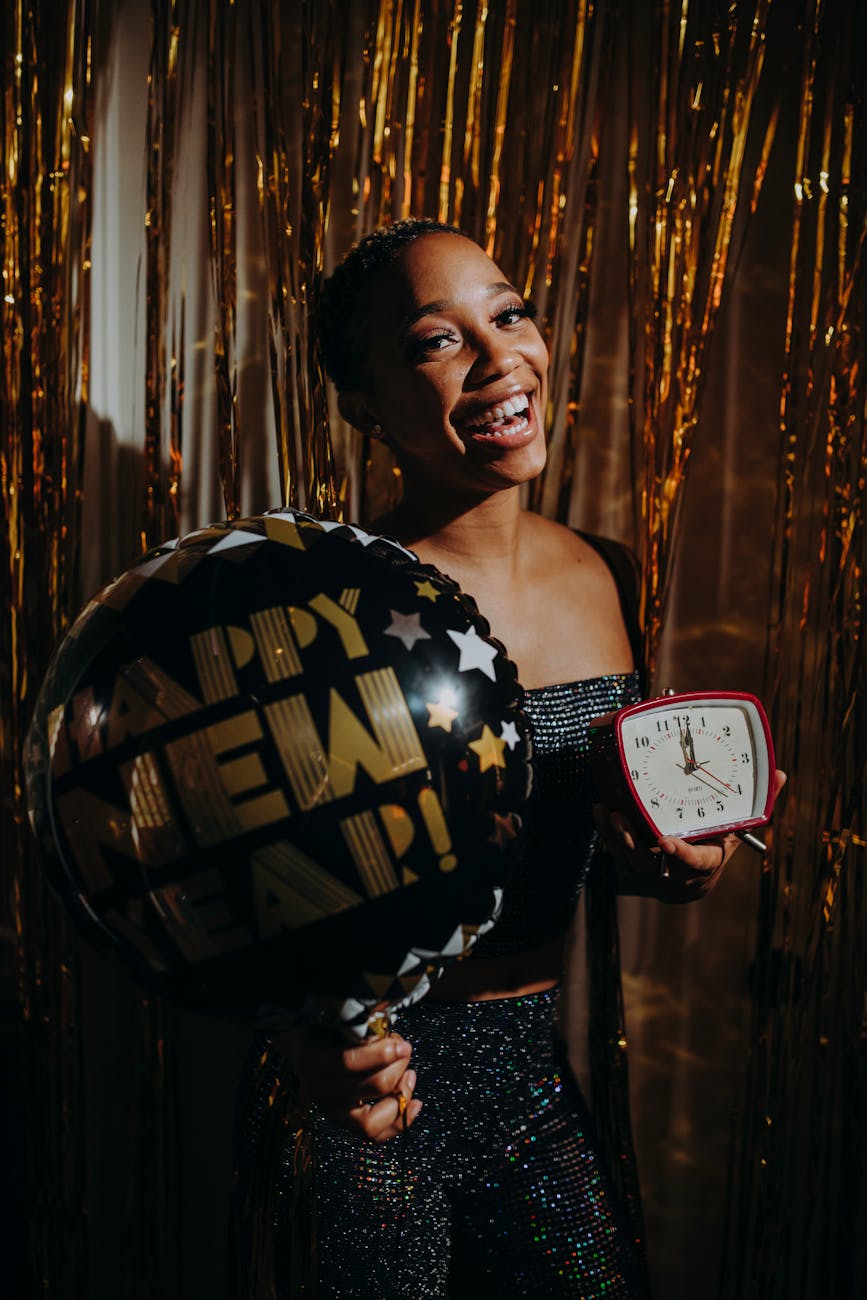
<point x="558" y="836"/>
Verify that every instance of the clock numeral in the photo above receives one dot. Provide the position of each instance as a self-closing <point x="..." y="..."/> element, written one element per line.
<point x="745" y="758"/>
<point x="726" y="731"/>
<point x="654" y="803"/>
<point x="703" y="723"/>
<point x="740" y="791"/>
<point x="700" y="812"/>
<point x="642" y="742"/>
<point x="680" y="814"/>
<point x="720" y="807"/>
<point x="633" y="772"/>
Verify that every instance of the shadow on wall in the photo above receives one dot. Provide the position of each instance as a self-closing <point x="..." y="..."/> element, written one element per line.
<point x="146" y="1088"/>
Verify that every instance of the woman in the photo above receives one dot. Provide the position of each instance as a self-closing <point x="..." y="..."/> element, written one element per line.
<point x="498" y="1188"/>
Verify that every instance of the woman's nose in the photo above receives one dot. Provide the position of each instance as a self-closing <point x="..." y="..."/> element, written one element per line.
<point x="496" y="355"/>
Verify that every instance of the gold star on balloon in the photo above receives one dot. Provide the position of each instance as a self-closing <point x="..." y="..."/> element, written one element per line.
<point x="441" y="715"/>
<point x="489" y="749"/>
<point x="426" y="589"/>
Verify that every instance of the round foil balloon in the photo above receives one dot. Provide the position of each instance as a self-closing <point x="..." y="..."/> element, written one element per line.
<point x="278" y="763"/>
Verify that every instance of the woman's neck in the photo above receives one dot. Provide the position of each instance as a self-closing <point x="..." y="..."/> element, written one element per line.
<point x="481" y="533"/>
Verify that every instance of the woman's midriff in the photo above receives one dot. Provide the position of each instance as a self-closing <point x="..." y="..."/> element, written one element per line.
<point x="476" y="979"/>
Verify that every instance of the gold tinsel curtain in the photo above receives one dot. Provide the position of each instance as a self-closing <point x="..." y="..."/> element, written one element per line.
<point x="682" y="189"/>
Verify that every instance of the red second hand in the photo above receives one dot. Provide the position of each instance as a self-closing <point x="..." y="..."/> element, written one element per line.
<point x="714" y="778"/>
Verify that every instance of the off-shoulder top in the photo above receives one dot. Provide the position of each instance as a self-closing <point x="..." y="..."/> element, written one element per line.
<point x="558" y="836"/>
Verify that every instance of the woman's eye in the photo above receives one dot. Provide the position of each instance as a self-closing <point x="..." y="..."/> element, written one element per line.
<point x="515" y="312"/>
<point x="420" y="348"/>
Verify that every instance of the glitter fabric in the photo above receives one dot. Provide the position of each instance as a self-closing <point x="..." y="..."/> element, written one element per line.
<point x="495" y="1188"/>
<point x="538" y="904"/>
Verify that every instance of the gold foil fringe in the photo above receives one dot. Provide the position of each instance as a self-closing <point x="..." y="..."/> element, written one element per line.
<point x="363" y="113"/>
<point x="689" y="130"/>
<point x="45" y="176"/>
<point x="798" y="1189"/>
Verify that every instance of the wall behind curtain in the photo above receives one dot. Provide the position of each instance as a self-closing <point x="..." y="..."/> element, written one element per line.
<point x="543" y="129"/>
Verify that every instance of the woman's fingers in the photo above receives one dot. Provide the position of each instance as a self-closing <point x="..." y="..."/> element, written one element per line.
<point x="703" y="859"/>
<point x="322" y="1051"/>
<point x="377" y="1120"/>
<point x="331" y="1069"/>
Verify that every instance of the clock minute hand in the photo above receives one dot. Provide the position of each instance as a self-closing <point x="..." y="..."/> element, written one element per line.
<point x="696" y="772"/>
<point x="718" y="779"/>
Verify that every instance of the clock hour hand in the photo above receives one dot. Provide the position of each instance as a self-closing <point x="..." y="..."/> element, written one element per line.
<point x="689" y="762"/>
<point x="690" y="747"/>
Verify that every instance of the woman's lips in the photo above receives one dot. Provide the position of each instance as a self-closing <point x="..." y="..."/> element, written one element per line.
<point x="506" y="433"/>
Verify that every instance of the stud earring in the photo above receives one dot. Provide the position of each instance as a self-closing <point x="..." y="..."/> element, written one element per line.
<point x="376" y="431"/>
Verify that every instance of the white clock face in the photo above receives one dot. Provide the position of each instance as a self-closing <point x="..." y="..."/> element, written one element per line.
<point x="697" y="765"/>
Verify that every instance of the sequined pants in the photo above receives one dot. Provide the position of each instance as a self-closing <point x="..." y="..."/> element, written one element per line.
<point x="495" y="1190"/>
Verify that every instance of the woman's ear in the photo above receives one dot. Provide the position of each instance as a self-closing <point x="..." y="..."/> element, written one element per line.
<point x="355" y="409"/>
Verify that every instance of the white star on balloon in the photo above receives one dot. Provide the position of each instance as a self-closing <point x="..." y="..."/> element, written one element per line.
<point x="475" y="653"/>
<point x="407" y="628"/>
<point x="510" y="734"/>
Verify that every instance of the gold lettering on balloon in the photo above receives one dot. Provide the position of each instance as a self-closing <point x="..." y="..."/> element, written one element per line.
<point x="398" y="827"/>
<point x="85" y="725"/>
<point x="242" y="645"/>
<point x="197" y="918"/>
<point x="345" y="623"/>
<point x="301" y="750"/>
<point x="369" y="854"/>
<point x="211" y="657"/>
<point x="167" y="697"/>
<point x="144" y="696"/>
<point x="90" y="825"/>
<point x="155" y="833"/>
<point x="303" y="625"/>
<point x="435" y="821"/>
<point x="240" y="776"/>
<point x="396" y="749"/>
<point x="290" y="889"/>
<point x="276" y="644"/>
<point x="211" y="788"/>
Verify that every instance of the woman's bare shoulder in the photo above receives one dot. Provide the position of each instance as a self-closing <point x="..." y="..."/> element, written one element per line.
<point x="551" y="543"/>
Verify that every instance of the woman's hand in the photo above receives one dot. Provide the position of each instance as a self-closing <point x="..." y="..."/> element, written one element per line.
<point x="673" y="871"/>
<point x="365" y="1089"/>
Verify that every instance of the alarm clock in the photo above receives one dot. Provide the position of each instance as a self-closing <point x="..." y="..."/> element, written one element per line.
<point x="692" y="765"/>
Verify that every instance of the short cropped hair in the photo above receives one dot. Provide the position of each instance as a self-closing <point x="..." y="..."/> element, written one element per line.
<point x="341" y="317"/>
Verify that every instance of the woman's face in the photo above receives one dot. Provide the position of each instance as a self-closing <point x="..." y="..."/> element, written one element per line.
<point x="458" y="369"/>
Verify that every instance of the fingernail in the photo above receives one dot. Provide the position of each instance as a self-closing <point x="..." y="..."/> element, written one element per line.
<point x="409" y="1079"/>
<point x="402" y="1048"/>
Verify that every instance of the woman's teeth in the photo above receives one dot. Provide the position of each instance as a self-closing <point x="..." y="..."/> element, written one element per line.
<point x="508" y="417"/>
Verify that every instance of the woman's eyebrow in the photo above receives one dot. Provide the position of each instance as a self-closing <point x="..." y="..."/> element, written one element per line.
<point x="431" y="308"/>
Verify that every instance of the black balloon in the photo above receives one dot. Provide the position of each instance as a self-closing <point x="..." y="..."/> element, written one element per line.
<point x="278" y="764"/>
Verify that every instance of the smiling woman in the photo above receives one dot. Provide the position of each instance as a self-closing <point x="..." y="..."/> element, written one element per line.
<point x="499" y="1186"/>
<point x="454" y="370"/>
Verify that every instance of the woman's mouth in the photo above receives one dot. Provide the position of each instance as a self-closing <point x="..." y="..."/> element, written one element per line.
<point x="507" y="419"/>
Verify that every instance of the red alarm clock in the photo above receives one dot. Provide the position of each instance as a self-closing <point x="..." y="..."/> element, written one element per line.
<point x="691" y="765"/>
